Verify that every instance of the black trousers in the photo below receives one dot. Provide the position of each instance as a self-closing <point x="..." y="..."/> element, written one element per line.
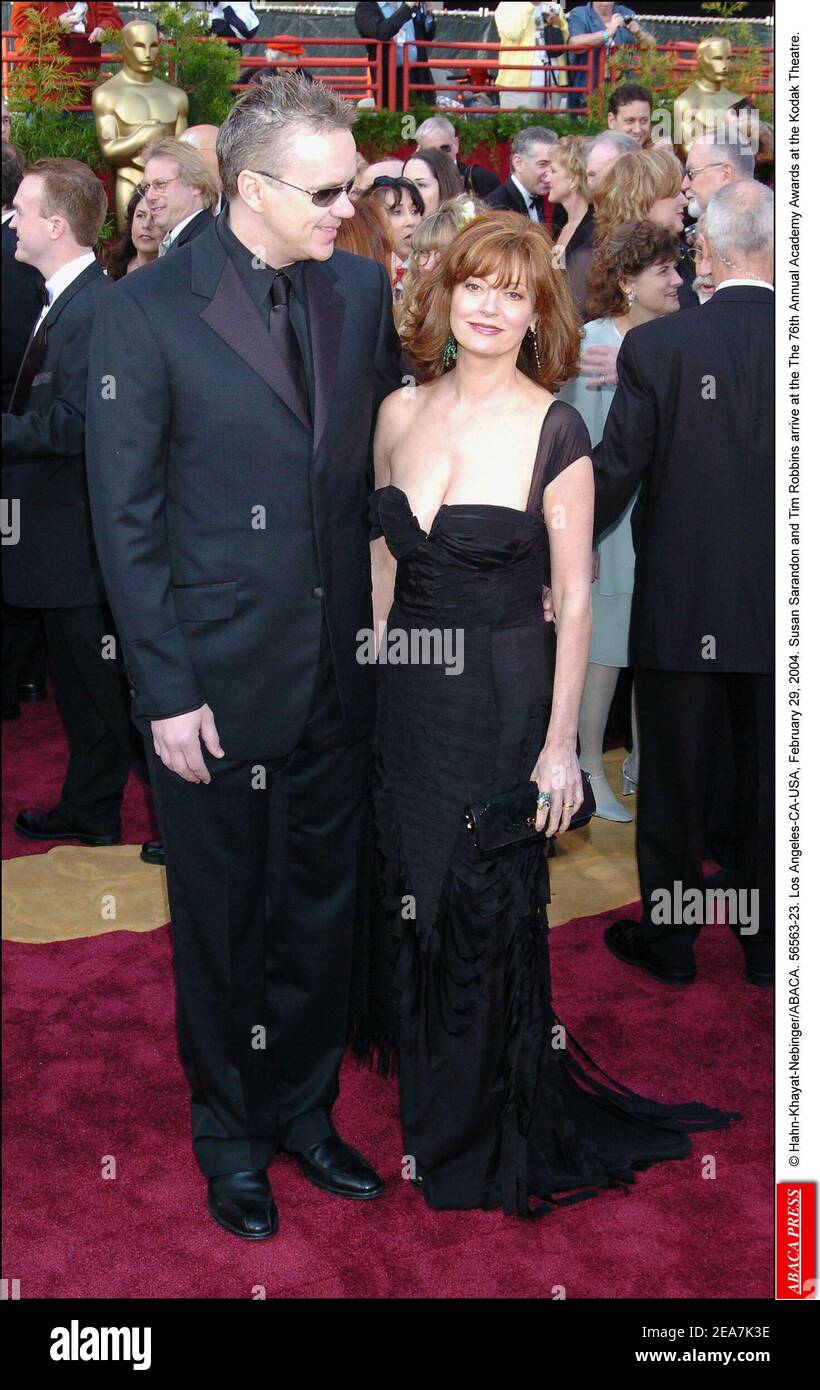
<point x="92" y="697"/>
<point x="24" y="650"/>
<point x="263" y="874"/>
<point x="683" y="717"/>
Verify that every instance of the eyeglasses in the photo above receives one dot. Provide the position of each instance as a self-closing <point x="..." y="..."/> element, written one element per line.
<point x="716" y="164"/>
<point x="323" y="197"/>
<point x="159" y="185"/>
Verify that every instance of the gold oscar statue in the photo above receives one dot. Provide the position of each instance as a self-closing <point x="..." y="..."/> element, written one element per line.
<point x="704" y="104"/>
<point x="133" y="108"/>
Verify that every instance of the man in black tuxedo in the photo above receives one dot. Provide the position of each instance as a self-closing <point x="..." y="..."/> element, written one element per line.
<point x="691" y="424"/>
<point x="399" y="24"/>
<point x="59" y="209"/>
<point x="23" y="290"/>
<point x="524" y="190"/>
<point x="180" y="190"/>
<point x="437" y="133"/>
<point x="229" y="482"/>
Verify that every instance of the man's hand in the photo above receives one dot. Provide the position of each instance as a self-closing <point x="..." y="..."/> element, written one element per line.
<point x="598" y="363"/>
<point x="615" y="23"/>
<point x="177" y="743"/>
<point x="549" y="607"/>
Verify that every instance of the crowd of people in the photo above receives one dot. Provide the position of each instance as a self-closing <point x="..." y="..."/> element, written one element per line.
<point x="197" y="424"/>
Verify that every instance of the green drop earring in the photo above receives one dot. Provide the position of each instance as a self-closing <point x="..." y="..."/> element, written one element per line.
<point x="450" y="353"/>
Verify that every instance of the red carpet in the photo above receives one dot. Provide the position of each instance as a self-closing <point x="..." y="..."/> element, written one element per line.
<point x="92" y="1075"/>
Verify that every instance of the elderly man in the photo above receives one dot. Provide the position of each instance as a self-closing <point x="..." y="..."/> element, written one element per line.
<point x="437" y="133"/>
<point x="180" y="190"/>
<point x="718" y="157"/>
<point x="524" y="190"/>
<point x="691" y="425"/>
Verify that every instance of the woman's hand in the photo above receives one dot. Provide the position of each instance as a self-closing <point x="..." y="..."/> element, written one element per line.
<point x="598" y="363"/>
<point x="557" y="772"/>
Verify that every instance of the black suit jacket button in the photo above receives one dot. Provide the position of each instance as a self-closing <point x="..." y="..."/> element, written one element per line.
<point x="318" y="592"/>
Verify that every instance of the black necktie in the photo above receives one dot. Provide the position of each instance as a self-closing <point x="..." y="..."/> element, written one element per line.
<point x="539" y="208"/>
<point x="29" y="367"/>
<point x="284" y="334"/>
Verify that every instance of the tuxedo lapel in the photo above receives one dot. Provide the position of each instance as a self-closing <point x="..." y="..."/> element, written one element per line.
<point x="326" y="310"/>
<point x="234" y="317"/>
<point x="91" y="272"/>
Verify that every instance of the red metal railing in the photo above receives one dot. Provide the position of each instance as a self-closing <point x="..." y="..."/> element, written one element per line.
<point x="370" y="77"/>
<point x="573" y="60"/>
<point x="365" y="79"/>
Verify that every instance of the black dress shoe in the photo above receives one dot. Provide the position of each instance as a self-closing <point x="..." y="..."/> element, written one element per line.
<point x="624" y="940"/>
<point x="153" y="852"/>
<point x="51" y="825"/>
<point x="334" y="1167"/>
<point x="11" y="711"/>
<point x="31" y="693"/>
<point x="243" y="1204"/>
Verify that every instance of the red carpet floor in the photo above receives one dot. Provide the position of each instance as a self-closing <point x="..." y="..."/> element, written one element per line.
<point x="91" y="1076"/>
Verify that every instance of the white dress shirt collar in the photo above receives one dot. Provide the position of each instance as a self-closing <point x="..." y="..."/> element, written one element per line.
<point x="170" y="237"/>
<point x="61" y="279"/>
<point x="741" y="280"/>
<point x="65" y="276"/>
<point x="532" y="212"/>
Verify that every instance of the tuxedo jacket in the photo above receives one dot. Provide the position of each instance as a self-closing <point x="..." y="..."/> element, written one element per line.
<point x="508" y="198"/>
<point x="22" y="302"/>
<point x="195" y="228"/>
<point x="483" y="181"/>
<point x="691" y="425"/>
<point x="53" y="564"/>
<point x="226" y="521"/>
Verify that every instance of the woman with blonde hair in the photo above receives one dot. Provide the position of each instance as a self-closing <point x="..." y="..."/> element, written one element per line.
<point x="568" y="188"/>
<point x="646" y="185"/>
<point x="431" y="238"/>
<point x="484" y="493"/>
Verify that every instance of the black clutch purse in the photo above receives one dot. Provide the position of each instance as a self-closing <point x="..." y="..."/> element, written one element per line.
<point x="509" y="818"/>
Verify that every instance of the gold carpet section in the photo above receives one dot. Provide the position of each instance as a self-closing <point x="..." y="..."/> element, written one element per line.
<point x="73" y="891"/>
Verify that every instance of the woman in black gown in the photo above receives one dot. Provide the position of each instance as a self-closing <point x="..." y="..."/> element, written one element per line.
<point x="485" y="494"/>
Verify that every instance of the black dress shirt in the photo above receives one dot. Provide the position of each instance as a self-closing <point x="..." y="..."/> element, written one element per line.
<point x="258" y="280"/>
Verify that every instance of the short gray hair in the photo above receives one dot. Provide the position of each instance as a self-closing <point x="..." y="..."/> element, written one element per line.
<point x="736" y="147"/>
<point x="435" y="125"/>
<point x="193" y="168"/>
<point x="525" y="141"/>
<point x="739" y="221"/>
<point x="262" y="126"/>
<point x="617" y="139"/>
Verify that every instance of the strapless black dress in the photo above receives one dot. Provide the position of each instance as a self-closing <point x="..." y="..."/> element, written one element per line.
<point x="499" y="1103"/>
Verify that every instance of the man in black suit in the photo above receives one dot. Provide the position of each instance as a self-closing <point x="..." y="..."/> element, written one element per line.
<point x="524" y="190"/>
<point x="59" y="209"/>
<point x="437" y="133"/>
<point x="23" y="290"/>
<point x="691" y="424"/>
<point x="229" y="481"/>
<point x="399" y="24"/>
<point x="180" y="189"/>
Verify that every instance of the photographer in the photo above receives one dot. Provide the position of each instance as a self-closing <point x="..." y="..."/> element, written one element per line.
<point x="401" y="25"/>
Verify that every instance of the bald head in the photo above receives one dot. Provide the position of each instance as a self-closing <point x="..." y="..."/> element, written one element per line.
<point x="203" y="139"/>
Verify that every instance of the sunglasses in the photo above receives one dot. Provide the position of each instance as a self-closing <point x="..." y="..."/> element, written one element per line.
<point x="323" y="197"/>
